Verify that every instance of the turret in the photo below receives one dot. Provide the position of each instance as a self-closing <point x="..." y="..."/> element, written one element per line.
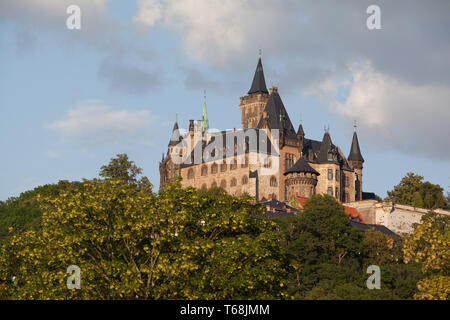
<point x="300" y="137"/>
<point x="356" y="161"/>
<point x="301" y="180"/>
<point x="253" y="104"/>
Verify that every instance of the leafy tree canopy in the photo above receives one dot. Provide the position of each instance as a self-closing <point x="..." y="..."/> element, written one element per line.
<point x="413" y="191"/>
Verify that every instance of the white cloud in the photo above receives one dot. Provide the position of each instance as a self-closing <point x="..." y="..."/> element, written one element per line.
<point x="392" y="113"/>
<point x="216" y="30"/>
<point x="150" y="11"/>
<point x="92" y="123"/>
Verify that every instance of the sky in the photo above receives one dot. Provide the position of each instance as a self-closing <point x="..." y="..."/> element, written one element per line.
<point x="70" y="100"/>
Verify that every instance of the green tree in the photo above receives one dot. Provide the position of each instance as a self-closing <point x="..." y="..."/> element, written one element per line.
<point x="179" y="244"/>
<point x="417" y="200"/>
<point x="405" y="192"/>
<point x="428" y="201"/>
<point x="430" y="245"/>
<point x="122" y="169"/>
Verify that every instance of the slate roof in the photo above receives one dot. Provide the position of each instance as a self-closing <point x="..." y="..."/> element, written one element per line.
<point x="175" y="138"/>
<point x="241" y="141"/>
<point x="355" y="152"/>
<point x="278" y="116"/>
<point x="366" y="227"/>
<point x="259" y="82"/>
<point x="301" y="166"/>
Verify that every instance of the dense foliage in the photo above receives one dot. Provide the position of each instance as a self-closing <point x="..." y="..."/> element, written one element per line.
<point x="205" y="244"/>
<point x="413" y="191"/>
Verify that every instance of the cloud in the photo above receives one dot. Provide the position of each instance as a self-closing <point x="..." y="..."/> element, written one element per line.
<point x="392" y="113"/>
<point x="127" y="77"/>
<point x="92" y="124"/>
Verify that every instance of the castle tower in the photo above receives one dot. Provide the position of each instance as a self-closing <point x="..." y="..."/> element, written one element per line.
<point x="356" y="160"/>
<point x="301" y="180"/>
<point x="300" y="137"/>
<point x="253" y="104"/>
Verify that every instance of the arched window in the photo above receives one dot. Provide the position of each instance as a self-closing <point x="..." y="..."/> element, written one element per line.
<point x="273" y="182"/>
<point x="244" y="180"/>
<point x="191" y="173"/>
<point x="204" y="170"/>
<point x="223" y="167"/>
<point x="214" y="168"/>
<point x="336" y="175"/>
<point x="223" y="184"/>
<point x="204" y="186"/>
<point x="233" y="182"/>
<point x="213" y="184"/>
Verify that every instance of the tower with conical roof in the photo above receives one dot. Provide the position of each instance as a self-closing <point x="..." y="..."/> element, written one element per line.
<point x="356" y="161"/>
<point x="253" y="104"/>
<point x="301" y="180"/>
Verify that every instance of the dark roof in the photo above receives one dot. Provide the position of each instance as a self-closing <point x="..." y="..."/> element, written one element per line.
<point x="276" y="209"/>
<point x="366" y="227"/>
<point x="301" y="166"/>
<point x="259" y="82"/>
<point x="242" y="143"/>
<point x="278" y="116"/>
<point x="355" y="152"/>
<point x="175" y="138"/>
<point x="325" y="148"/>
<point x="300" y="130"/>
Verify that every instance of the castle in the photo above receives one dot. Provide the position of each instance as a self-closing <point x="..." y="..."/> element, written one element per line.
<point x="267" y="158"/>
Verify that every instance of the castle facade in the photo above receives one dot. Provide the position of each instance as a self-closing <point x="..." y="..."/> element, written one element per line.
<point x="267" y="158"/>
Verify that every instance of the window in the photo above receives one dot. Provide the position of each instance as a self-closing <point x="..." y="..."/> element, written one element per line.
<point x="336" y="175"/>
<point x="273" y="182"/>
<point x="267" y="163"/>
<point x="214" y="168"/>
<point x="244" y="180"/>
<point x="214" y="184"/>
<point x="330" y="175"/>
<point x="191" y="173"/>
<point x="289" y="161"/>
<point x="223" y="184"/>
<point x="176" y="171"/>
<point x="245" y="164"/>
<point x="233" y="182"/>
<point x="233" y="165"/>
<point x="223" y="167"/>
<point x="336" y="193"/>
<point x="204" y="170"/>
<point x="204" y="186"/>
<point x="330" y="191"/>
<point x="347" y="198"/>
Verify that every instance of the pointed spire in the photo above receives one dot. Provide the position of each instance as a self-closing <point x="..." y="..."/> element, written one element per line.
<point x="259" y="82"/>
<point x="300" y="131"/>
<point x="355" y="152"/>
<point x="175" y="137"/>
<point x="205" y="121"/>
<point x="325" y="147"/>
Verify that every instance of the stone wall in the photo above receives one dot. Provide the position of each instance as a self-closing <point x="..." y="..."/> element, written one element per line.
<point x="398" y="218"/>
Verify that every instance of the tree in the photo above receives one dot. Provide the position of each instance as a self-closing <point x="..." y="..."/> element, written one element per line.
<point x="417" y="200"/>
<point x="320" y="241"/>
<point x="122" y="169"/>
<point x="179" y="244"/>
<point x="428" y="201"/>
<point x="430" y="245"/>
<point x="406" y="192"/>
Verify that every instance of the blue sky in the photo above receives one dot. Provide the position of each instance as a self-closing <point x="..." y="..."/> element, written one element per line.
<point x="72" y="99"/>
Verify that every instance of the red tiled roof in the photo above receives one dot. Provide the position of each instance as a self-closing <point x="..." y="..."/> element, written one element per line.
<point x="350" y="211"/>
